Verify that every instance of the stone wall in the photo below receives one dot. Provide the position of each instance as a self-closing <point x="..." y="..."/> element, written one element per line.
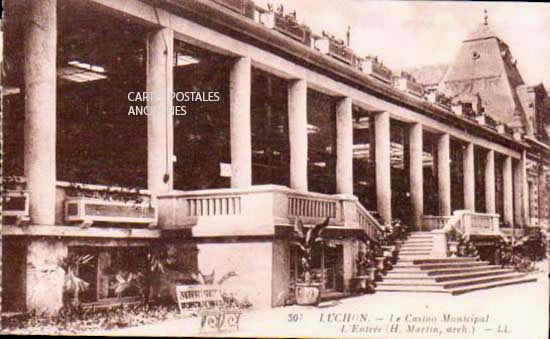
<point x="250" y="260"/>
<point x="44" y="281"/>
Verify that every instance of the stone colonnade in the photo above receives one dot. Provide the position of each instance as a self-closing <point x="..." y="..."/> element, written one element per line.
<point x="40" y="134"/>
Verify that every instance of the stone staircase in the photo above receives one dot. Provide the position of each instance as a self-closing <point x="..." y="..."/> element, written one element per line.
<point x="419" y="268"/>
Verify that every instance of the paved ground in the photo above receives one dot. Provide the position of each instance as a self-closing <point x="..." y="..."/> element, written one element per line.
<point x="519" y="311"/>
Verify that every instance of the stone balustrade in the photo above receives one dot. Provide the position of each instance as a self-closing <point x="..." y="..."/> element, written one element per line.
<point x="258" y="209"/>
<point x="435" y="222"/>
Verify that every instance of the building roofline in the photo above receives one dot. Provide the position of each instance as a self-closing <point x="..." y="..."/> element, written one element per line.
<point x="213" y="14"/>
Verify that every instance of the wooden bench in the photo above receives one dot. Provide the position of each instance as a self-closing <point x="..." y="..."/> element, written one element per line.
<point x="207" y="302"/>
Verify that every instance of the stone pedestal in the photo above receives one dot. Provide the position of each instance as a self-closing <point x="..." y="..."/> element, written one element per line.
<point x="439" y="247"/>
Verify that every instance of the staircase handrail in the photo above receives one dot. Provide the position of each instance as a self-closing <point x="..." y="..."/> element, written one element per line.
<point x="454" y="222"/>
<point x="375" y="226"/>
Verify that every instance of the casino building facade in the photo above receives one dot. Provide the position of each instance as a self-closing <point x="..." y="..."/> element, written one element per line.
<point x="281" y="123"/>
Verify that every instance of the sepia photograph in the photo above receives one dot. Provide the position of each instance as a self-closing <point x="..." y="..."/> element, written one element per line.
<point x="289" y="168"/>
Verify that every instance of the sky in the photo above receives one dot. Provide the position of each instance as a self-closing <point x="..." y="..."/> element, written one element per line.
<point x="405" y="34"/>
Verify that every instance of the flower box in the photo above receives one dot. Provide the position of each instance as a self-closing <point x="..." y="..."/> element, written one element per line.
<point x="339" y="51"/>
<point x="244" y="7"/>
<point x="287" y="25"/>
<point x="375" y="69"/>
<point x="89" y="210"/>
<point x="409" y="86"/>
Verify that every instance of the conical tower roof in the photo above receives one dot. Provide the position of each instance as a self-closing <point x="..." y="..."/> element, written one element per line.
<point x="484" y="66"/>
<point x="483" y="31"/>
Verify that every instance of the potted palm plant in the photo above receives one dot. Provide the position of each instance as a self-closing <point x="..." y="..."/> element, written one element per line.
<point x="308" y="292"/>
<point x="365" y="268"/>
<point x="453" y="238"/>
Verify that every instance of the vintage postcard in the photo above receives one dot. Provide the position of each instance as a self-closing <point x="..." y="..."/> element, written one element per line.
<point x="290" y="168"/>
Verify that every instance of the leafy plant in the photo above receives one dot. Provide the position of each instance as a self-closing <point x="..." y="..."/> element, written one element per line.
<point x="306" y="242"/>
<point x="109" y="193"/>
<point x="522" y="252"/>
<point x="208" y="279"/>
<point x="159" y="259"/>
<point x="454" y="235"/>
<point x="366" y="256"/>
<point x="125" y="281"/>
<point x="74" y="284"/>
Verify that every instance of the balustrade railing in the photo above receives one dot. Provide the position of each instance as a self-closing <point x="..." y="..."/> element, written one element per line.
<point x="368" y="222"/>
<point x="435" y="222"/>
<point x="260" y="209"/>
<point x="469" y="222"/>
<point x="299" y="206"/>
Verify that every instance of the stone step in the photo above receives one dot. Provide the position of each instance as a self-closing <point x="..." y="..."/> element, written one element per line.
<point x="444" y="271"/>
<point x="417" y="253"/>
<point x="454" y="291"/>
<point x="443" y="277"/>
<point x="426" y="267"/>
<point x="480" y="280"/>
<point x="426" y="247"/>
<point x="466" y="275"/>
<point x="414" y="251"/>
<point x="388" y="281"/>
<point x="437" y="260"/>
<point x="465" y="289"/>
<point x="419" y="236"/>
<point x="417" y="242"/>
<point x="408" y="288"/>
<point x="429" y="245"/>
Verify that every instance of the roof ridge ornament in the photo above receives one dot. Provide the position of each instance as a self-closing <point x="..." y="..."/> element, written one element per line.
<point x="486" y="18"/>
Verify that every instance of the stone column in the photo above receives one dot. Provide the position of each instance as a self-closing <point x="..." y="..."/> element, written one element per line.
<point x="469" y="177"/>
<point x="543" y="194"/>
<point x="344" y="147"/>
<point x="240" y="83"/>
<point x="416" y="174"/>
<point x="383" y="165"/>
<point x="39" y="68"/>
<point x="160" y="140"/>
<point x="297" y="133"/>
<point x="507" y="191"/>
<point x="444" y="174"/>
<point x="490" y="204"/>
<point x="490" y="191"/>
<point x="521" y="192"/>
